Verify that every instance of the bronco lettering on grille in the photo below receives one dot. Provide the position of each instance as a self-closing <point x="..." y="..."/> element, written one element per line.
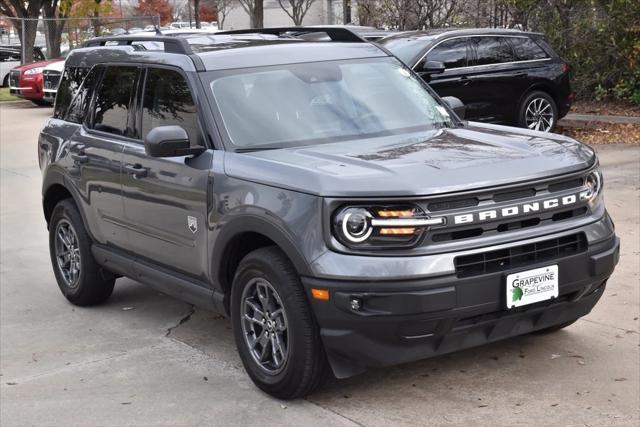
<point x="521" y="209"/>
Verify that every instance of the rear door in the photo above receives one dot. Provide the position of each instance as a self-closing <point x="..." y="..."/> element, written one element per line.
<point x="495" y="80"/>
<point x="96" y="147"/>
<point x="454" y="54"/>
<point x="166" y="198"/>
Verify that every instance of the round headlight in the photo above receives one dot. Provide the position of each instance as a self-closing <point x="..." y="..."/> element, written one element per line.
<point x="356" y="224"/>
<point x="593" y="182"/>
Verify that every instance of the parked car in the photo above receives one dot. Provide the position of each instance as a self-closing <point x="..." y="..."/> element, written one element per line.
<point x="321" y="195"/>
<point x="11" y="57"/>
<point x="26" y="82"/>
<point x="180" y="25"/>
<point x="51" y="75"/>
<point x="502" y="76"/>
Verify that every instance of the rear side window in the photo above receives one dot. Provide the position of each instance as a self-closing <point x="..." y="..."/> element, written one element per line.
<point x="168" y="101"/>
<point x="69" y="85"/>
<point x="452" y="53"/>
<point x="80" y="103"/>
<point x="526" y="49"/>
<point x="113" y="101"/>
<point x="492" y="50"/>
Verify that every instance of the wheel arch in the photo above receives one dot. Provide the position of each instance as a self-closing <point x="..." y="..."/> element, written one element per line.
<point x="55" y="189"/>
<point x="243" y="235"/>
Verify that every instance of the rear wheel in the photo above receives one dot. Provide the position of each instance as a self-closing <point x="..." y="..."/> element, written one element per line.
<point x="275" y="332"/>
<point x="79" y="277"/>
<point x="538" y="111"/>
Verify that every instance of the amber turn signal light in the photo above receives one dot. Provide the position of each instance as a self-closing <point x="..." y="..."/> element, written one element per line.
<point x="320" y="294"/>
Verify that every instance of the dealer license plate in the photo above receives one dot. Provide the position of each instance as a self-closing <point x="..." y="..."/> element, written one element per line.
<point x="531" y="286"/>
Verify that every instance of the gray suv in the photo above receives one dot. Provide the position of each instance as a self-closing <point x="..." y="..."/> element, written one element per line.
<point x="318" y="193"/>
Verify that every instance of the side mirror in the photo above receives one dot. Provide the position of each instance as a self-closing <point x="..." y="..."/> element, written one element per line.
<point x="456" y="105"/>
<point x="432" y="67"/>
<point x="169" y="141"/>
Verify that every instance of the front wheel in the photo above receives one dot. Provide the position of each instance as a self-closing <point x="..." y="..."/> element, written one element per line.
<point x="538" y="111"/>
<point x="275" y="332"/>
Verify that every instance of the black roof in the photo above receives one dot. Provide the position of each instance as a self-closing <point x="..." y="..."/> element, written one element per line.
<point x="226" y="50"/>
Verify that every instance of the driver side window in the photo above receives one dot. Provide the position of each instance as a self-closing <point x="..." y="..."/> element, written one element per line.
<point x="167" y="101"/>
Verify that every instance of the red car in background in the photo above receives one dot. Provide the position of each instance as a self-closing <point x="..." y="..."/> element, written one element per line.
<point x="26" y="80"/>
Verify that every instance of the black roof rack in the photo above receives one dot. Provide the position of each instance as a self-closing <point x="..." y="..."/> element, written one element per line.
<point x="171" y="44"/>
<point x="336" y="34"/>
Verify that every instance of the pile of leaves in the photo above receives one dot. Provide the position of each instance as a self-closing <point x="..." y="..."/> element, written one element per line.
<point x="604" y="133"/>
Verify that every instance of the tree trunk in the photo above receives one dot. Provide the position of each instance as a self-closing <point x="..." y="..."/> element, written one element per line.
<point x="53" y="29"/>
<point x="196" y="12"/>
<point x="258" y="14"/>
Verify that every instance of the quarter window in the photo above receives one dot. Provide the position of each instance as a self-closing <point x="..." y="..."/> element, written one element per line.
<point x="526" y="49"/>
<point x="168" y="101"/>
<point x="78" y="92"/>
<point x="452" y="53"/>
<point x="113" y="102"/>
<point x="492" y="50"/>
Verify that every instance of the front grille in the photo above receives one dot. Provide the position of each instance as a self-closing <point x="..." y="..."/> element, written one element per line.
<point x="14" y="78"/>
<point x="496" y="199"/>
<point x="520" y="256"/>
<point x="51" y="79"/>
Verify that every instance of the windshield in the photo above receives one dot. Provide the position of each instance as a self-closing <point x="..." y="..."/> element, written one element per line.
<point x="407" y="48"/>
<point x="301" y="104"/>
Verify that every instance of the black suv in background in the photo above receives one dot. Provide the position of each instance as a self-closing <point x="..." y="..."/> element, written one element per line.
<point x="502" y="76"/>
<point x="318" y="193"/>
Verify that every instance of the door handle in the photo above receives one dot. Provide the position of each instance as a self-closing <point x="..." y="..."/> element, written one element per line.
<point x="136" y="170"/>
<point x="80" y="157"/>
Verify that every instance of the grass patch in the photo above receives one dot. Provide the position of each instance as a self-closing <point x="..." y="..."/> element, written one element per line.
<point x="6" y="96"/>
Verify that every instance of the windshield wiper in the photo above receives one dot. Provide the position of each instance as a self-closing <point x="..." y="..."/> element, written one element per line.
<point x="256" y="148"/>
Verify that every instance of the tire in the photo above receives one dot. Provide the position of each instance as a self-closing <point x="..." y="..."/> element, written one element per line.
<point x="41" y="103"/>
<point x="5" y="82"/>
<point x="303" y="364"/>
<point x="538" y="111"/>
<point x="87" y="284"/>
<point x="556" y="328"/>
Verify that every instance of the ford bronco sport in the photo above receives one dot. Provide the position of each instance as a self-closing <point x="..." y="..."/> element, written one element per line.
<point x="318" y="193"/>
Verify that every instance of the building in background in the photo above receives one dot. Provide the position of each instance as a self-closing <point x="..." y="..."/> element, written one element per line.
<point x="321" y="12"/>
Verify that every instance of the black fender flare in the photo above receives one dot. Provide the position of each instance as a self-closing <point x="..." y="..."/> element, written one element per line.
<point x="257" y="224"/>
<point x="57" y="177"/>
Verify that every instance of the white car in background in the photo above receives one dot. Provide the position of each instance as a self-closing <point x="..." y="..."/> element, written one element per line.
<point x="10" y="57"/>
<point x="50" y="79"/>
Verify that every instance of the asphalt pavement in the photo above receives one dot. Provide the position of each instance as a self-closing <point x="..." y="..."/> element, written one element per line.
<point x="147" y="359"/>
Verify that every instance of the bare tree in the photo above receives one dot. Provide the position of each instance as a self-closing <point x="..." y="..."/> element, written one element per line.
<point x="299" y="9"/>
<point x="29" y="10"/>
<point x="255" y="10"/>
<point x="433" y="13"/>
<point x="196" y="12"/>
<point x="224" y="8"/>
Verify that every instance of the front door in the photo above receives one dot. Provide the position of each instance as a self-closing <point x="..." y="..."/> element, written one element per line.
<point x="166" y="198"/>
<point x="454" y="56"/>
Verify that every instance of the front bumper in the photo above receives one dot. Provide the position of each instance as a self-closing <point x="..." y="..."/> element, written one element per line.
<point x="405" y="320"/>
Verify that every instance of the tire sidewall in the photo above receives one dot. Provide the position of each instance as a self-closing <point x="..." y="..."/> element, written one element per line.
<point x="67" y="210"/>
<point x="522" y="120"/>
<point x="251" y="269"/>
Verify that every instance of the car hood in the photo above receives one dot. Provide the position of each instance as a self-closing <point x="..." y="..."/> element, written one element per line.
<point x="26" y="67"/>
<point x="435" y="162"/>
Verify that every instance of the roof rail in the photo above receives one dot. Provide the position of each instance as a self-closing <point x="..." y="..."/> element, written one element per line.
<point x="336" y="34"/>
<point x="171" y="44"/>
